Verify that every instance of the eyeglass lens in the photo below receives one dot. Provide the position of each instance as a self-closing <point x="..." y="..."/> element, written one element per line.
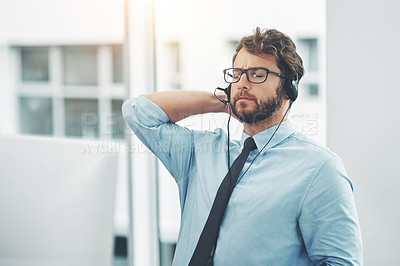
<point x="254" y="75"/>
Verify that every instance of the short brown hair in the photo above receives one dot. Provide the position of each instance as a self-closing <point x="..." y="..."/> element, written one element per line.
<point x="279" y="45"/>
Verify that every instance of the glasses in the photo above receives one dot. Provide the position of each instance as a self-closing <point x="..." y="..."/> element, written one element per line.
<point x="254" y="75"/>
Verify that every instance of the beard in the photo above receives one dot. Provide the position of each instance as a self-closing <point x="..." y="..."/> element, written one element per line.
<point x="264" y="109"/>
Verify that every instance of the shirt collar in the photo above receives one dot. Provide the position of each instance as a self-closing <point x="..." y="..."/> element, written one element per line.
<point x="285" y="130"/>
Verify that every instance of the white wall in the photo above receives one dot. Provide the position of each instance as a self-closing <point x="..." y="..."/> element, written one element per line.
<point x="363" y="125"/>
<point x="63" y="22"/>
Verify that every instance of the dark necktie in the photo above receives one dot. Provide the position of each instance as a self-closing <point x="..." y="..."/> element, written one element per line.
<point x="209" y="235"/>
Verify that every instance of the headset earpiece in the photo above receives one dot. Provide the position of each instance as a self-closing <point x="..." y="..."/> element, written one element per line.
<point x="292" y="89"/>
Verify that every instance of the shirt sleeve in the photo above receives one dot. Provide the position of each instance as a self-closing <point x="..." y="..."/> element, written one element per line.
<point x="171" y="143"/>
<point x="328" y="220"/>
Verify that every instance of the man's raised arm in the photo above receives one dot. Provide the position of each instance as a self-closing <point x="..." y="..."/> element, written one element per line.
<point x="181" y="104"/>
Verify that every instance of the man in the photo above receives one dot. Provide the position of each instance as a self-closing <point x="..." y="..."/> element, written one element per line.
<point x="292" y="203"/>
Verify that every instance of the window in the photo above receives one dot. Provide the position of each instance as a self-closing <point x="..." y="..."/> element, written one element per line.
<point x="81" y="118"/>
<point x="170" y="66"/>
<point x="174" y="53"/>
<point x="36" y="115"/>
<point x="313" y="89"/>
<point x="34" y="64"/>
<point x="60" y="92"/>
<point x="80" y="65"/>
<point x="116" y="120"/>
<point x="308" y="49"/>
<point x="117" y="64"/>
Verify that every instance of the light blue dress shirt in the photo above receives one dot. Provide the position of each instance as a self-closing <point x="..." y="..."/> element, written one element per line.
<point x="293" y="206"/>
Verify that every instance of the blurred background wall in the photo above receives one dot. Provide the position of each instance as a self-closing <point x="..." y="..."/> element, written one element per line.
<point x="363" y="57"/>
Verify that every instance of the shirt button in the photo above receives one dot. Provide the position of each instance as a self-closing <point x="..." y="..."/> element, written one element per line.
<point x="250" y="158"/>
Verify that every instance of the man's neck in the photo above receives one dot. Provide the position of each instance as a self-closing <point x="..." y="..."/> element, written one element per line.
<point x="253" y="129"/>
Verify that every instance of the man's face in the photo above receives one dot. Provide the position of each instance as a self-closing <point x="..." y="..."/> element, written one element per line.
<point x="253" y="103"/>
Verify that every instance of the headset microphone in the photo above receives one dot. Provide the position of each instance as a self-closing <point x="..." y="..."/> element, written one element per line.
<point x="227" y="91"/>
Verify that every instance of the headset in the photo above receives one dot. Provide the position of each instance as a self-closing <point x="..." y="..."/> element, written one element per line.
<point x="291" y="87"/>
<point x="292" y="91"/>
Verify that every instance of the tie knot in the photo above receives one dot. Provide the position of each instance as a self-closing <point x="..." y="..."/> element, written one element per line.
<point x="250" y="144"/>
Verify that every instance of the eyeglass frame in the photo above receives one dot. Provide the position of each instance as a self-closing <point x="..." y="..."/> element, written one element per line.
<point x="247" y="75"/>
